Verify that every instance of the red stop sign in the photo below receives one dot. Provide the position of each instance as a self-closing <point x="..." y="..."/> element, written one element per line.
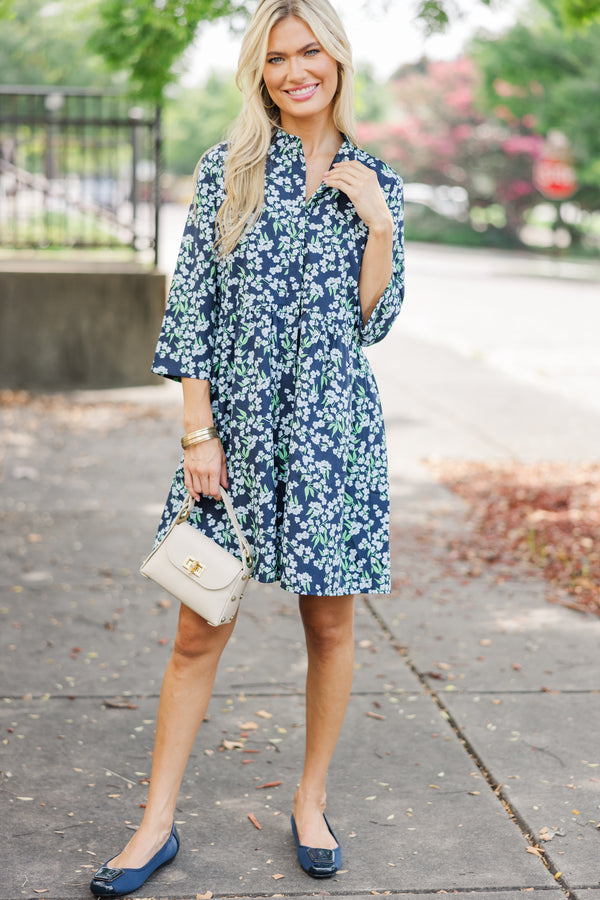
<point x="554" y="178"/>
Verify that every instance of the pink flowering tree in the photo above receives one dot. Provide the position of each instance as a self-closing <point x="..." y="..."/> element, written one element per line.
<point x="436" y="135"/>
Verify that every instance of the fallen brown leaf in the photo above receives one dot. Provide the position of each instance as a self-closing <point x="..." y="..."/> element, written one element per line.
<point x="543" y="516"/>
<point x="268" y="784"/>
<point x="255" y="821"/>
<point x="232" y="745"/>
<point x="119" y="703"/>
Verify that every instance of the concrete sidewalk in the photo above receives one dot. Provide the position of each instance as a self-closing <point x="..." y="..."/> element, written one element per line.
<point x="474" y="721"/>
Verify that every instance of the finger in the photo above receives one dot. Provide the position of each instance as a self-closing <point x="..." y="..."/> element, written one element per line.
<point x="348" y="178"/>
<point x="344" y="184"/>
<point x="214" y="488"/>
<point x="351" y="164"/>
<point x="205" y="482"/>
<point x="198" y="485"/>
<point x="189" y="483"/>
<point x="355" y="167"/>
<point x="224" y="479"/>
<point x="338" y="169"/>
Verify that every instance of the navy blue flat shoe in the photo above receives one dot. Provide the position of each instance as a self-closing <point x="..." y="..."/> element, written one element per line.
<point x="109" y="882"/>
<point x="318" y="862"/>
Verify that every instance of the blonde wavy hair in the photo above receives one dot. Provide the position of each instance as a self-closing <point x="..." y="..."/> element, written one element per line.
<point x="252" y="131"/>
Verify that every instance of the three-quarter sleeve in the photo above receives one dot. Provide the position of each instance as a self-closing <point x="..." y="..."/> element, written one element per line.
<point x="185" y="344"/>
<point x="390" y="302"/>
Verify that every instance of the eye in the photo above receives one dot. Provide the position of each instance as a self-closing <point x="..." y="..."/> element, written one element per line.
<point x="275" y="59"/>
<point x="312" y="52"/>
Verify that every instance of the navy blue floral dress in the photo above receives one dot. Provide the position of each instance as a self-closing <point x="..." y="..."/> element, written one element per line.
<point x="276" y="329"/>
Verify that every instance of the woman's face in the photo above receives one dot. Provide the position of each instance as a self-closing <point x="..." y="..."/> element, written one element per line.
<point x="301" y="77"/>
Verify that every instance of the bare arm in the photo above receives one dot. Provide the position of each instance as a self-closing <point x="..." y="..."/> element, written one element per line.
<point x="362" y="186"/>
<point x="376" y="267"/>
<point x="204" y="465"/>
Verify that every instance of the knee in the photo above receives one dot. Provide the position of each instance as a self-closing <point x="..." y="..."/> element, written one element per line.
<point x="326" y="634"/>
<point x="188" y="646"/>
<point x="195" y="640"/>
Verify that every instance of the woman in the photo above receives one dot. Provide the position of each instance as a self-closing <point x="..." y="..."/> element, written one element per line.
<point x="291" y="260"/>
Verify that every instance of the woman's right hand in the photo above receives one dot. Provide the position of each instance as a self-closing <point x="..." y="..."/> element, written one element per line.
<point x="205" y="469"/>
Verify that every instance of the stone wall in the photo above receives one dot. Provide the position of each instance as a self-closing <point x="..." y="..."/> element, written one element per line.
<point x="78" y="327"/>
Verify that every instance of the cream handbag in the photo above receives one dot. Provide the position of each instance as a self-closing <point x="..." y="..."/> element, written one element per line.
<point x="199" y="572"/>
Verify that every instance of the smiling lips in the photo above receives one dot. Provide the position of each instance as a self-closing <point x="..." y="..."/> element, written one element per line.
<point x="302" y="93"/>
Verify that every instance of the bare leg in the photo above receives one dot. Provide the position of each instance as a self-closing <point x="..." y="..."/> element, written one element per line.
<point x="186" y="690"/>
<point x="328" y="625"/>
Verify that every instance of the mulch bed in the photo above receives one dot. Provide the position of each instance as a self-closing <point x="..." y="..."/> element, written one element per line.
<point x="545" y="515"/>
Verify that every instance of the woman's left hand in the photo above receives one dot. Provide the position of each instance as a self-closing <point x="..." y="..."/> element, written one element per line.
<point x="362" y="187"/>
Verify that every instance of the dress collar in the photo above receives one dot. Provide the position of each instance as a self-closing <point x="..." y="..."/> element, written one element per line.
<point x="290" y="145"/>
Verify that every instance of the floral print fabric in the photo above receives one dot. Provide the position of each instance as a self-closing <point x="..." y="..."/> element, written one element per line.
<point x="276" y="329"/>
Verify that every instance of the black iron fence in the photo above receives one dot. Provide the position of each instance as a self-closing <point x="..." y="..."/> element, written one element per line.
<point x="78" y="169"/>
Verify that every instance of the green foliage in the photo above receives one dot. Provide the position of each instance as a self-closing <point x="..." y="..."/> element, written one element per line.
<point x="197" y="118"/>
<point x="44" y="43"/>
<point x="423" y="224"/>
<point x="579" y="12"/>
<point x="146" y="38"/>
<point x="550" y="77"/>
<point x="435" y="15"/>
<point x="372" y="99"/>
<point x="64" y="43"/>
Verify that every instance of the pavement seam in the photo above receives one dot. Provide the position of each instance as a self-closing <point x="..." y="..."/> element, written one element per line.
<point x="414" y="892"/>
<point x="400" y="692"/>
<point x="496" y="787"/>
<point x="17" y="698"/>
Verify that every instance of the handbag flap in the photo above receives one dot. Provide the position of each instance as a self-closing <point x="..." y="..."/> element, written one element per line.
<point x="200" y="558"/>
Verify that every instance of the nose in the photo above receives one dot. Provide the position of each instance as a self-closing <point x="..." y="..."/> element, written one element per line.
<point x="296" y="71"/>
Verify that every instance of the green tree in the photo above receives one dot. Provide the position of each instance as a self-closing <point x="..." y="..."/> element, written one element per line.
<point x="197" y="118"/>
<point x="146" y="39"/>
<point x="44" y="43"/>
<point x="437" y="14"/>
<point x="372" y="99"/>
<point x="549" y="77"/>
<point x="579" y="12"/>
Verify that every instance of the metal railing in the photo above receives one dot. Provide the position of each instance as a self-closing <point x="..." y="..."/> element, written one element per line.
<point x="78" y="169"/>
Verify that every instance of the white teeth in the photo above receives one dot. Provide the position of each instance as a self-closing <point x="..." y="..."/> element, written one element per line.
<point x="305" y="90"/>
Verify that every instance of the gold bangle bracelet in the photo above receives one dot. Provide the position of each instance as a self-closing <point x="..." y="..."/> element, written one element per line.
<point x="197" y="437"/>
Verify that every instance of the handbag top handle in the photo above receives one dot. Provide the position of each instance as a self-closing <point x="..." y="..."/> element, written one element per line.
<point x="188" y="505"/>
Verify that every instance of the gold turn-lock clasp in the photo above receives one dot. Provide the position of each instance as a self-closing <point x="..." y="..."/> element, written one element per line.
<point x="194" y="567"/>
